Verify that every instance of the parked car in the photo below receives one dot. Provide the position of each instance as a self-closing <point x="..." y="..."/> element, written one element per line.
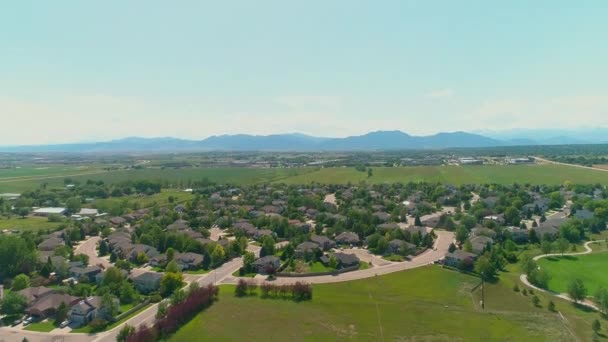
<point x="28" y="320"/>
<point x="64" y="324"/>
<point x="17" y="322"/>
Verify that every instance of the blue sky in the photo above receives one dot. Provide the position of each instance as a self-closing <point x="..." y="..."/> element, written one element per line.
<point x="84" y="70"/>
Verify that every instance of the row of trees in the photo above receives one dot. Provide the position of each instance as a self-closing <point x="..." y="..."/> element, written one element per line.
<point x="299" y="291"/>
<point x="176" y="316"/>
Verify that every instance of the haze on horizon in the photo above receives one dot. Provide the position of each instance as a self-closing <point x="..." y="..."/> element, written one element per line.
<point x="81" y="71"/>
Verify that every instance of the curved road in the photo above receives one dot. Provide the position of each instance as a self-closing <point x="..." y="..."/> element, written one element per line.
<point x="223" y="275"/>
<point x="587" y="303"/>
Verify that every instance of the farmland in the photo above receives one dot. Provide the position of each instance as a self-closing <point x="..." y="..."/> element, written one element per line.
<point x="176" y="178"/>
<point x="428" y="303"/>
<point x="27" y="224"/>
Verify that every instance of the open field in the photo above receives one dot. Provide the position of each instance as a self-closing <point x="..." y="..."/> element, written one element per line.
<point x="535" y="174"/>
<point x="177" y="178"/>
<point x="590" y="268"/>
<point x="174" y="177"/>
<point x="28" y="223"/>
<point x="43" y="171"/>
<point x="425" y="304"/>
<point x="162" y="198"/>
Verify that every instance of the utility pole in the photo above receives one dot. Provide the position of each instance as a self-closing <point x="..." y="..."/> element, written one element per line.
<point x="483" y="303"/>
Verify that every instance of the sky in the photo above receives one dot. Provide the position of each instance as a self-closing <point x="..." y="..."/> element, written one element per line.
<point x="74" y="71"/>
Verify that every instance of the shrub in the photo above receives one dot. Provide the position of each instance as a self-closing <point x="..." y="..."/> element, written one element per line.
<point x="241" y="288"/>
<point x="551" y="306"/>
<point x="516" y="288"/>
<point x="155" y="298"/>
<point x="98" y="324"/>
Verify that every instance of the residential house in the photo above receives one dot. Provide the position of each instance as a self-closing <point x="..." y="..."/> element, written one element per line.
<point x="382" y="216"/>
<point x="397" y="246"/>
<point x="323" y="241"/>
<point x="343" y="260"/>
<point x="348" y="238"/>
<point x="480" y="243"/>
<point x="147" y="282"/>
<point x="266" y="263"/>
<point x="189" y="261"/>
<point x="307" y="248"/>
<point x="46" y="305"/>
<point x="458" y="257"/>
<point x="51" y="244"/>
<point x="87" y="273"/>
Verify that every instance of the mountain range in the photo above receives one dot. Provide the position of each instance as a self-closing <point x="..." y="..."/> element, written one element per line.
<point x="379" y="140"/>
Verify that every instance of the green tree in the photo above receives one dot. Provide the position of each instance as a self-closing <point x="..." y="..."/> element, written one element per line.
<point x="536" y="300"/>
<point x="248" y="260"/>
<point x="170" y="282"/>
<point x="562" y="245"/>
<point x="333" y="262"/>
<point x="218" y="255"/>
<point x="127" y="293"/>
<point x="162" y="309"/>
<point x="417" y="221"/>
<point x="461" y="234"/>
<point x="546" y="246"/>
<point x="103" y="248"/>
<point x="172" y="267"/>
<point x="21" y="282"/>
<point x="551" y="306"/>
<point x="13" y="304"/>
<point x="124" y="333"/>
<point x="61" y="313"/>
<point x="108" y="306"/>
<point x="485" y="267"/>
<point x="170" y="254"/>
<point x="73" y="205"/>
<point x="468" y="247"/>
<point x="601" y="298"/>
<point x="141" y="258"/>
<point x="596" y="326"/>
<point x="577" y="290"/>
<point x="267" y="246"/>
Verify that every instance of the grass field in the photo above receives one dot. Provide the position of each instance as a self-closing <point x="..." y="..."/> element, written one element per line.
<point x="45" y="326"/>
<point x="535" y="174"/>
<point x="28" y="223"/>
<point x="161" y="198"/>
<point x="588" y="268"/>
<point x="424" y="304"/>
<point x="177" y="178"/>
<point x="29" y="172"/>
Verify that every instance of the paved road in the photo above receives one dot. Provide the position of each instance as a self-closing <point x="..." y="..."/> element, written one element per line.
<point x="88" y="247"/>
<point x="223" y="275"/>
<point x="438" y="252"/>
<point x="565" y="164"/>
<point x="587" y="303"/>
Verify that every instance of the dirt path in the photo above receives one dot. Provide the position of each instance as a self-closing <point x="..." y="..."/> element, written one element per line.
<point x="587" y="303"/>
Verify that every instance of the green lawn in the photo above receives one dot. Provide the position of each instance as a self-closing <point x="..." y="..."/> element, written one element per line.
<point x="591" y="269"/>
<point x="28" y="223"/>
<point x="318" y="266"/>
<point x="424" y="304"/>
<point x="133" y="202"/>
<point x="45" y="326"/>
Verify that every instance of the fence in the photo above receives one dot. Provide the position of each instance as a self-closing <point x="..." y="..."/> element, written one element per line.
<point x="130" y="311"/>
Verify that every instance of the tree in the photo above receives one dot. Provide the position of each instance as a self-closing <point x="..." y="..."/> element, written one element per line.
<point x="62" y="313"/>
<point x="103" y="248"/>
<point x="417" y="221"/>
<point x="23" y="211"/>
<point x="241" y="288"/>
<point x="248" y="260"/>
<point x="551" y="306"/>
<point x="21" y="282"/>
<point x="546" y="246"/>
<point x="535" y="300"/>
<point x="452" y="248"/>
<point x="170" y="254"/>
<point x="218" y="255"/>
<point x="267" y="246"/>
<point x="73" y="205"/>
<point x="468" y="247"/>
<point x="596" y="326"/>
<point x="172" y="267"/>
<point x="562" y="245"/>
<point x="13" y="304"/>
<point x="127" y="293"/>
<point x="382" y="246"/>
<point x="141" y="258"/>
<point x="162" y="309"/>
<point x="333" y="262"/>
<point x="485" y="267"/>
<point x="601" y="298"/>
<point x="577" y="290"/>
<point x="461" y="234"/>
<point x="125" y="332"/>
<point x="369" y="172"/>
<point x="170" y="282"/>
<point x="108" y="306"/>
<point x="112" y="278"/>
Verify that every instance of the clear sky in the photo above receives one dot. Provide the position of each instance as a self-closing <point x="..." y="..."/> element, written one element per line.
<point x="97" y="70"/>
